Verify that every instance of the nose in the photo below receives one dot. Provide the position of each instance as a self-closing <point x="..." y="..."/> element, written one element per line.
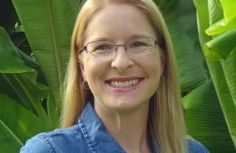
<point x="121" y="60"/>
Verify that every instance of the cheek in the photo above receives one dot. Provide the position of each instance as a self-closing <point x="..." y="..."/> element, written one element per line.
<point x="85" y="66"/>
<point x="93" y="68"/>
<point x="154" y="63"/>
<point x="154" y="69"/>
<point x="162" y="64"/>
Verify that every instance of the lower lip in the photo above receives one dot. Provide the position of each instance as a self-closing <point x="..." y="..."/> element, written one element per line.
<point x="124" y="89"/>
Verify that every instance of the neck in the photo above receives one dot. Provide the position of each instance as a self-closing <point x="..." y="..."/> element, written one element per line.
<point x="128" y="129"/>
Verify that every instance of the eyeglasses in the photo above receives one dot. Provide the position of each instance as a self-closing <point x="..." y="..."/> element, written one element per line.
<point x="134" y="47"/>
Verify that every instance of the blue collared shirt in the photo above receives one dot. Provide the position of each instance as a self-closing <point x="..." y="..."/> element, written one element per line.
<point x="88" y="136"/>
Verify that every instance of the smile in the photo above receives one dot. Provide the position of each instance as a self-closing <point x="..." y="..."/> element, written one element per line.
<point x="124" y="84"/>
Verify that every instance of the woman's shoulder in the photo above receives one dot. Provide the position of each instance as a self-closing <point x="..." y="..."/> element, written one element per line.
<point x="37" y="144"/>
<point x="195" y="146"/>
<point x="54" y="141"/>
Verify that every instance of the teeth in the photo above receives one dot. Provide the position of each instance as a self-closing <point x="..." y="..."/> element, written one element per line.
<point x="121" y="84"/>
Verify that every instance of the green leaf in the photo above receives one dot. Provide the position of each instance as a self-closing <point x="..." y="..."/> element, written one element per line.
<point x="215" y="11"/>
<point x="203" y="20"/>
<point x="229" y="10"/>
<point x="226" y="101"/>
<point x="165" y="5"/>
<point x="24" y="89"/>
<point x="220" y="72"/>
<point x="223" y="45"/>
<point x="52" y="109"/>
<point x="9" y="142"/>
<point x="220" y="27"/>
<point x="48" y="26"/>
<point x="34" y="92"/>
<point x="229" y="68"/>
<point x="205" y="121"/>
<point x="13" y="89"/>
<point x="19" y="124"/>
<point x="8" y="16"/>
<point x="10" y="61"/>
<point x="181" y="21"/>
<point x="226" y="22"/>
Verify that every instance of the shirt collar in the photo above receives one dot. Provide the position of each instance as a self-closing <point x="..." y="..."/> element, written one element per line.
<point x="96" y="135"/>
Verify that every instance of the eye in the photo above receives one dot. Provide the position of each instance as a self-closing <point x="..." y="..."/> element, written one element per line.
<point x="103" y="47"/>
<point x="136" y="44"/>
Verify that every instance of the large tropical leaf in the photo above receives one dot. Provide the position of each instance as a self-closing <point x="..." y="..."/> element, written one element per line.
<point x="181" y="21"/>
<point x="222" y="46"/>
<point x="24" y="116"/>
<point x="8" y="16"/>
<point x="21" y="121"/>
<point x="9" y="142"/>
<point x="48" y="26"/>
<point x="18" y="125"/>
<point x="205" y="120"/>
<point x="22" y="84"/>
<point x="222" y="70"/>
<point x="10" y="59"/>
<point x="194" y="72"/>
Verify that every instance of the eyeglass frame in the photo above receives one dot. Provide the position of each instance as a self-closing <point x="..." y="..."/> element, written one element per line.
<point x="156" y="43"/>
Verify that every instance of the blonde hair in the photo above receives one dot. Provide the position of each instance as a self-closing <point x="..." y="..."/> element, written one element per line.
<point x="165" y="122"/>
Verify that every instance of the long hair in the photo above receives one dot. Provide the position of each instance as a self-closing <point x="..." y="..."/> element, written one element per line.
<point x="165" y="121"/>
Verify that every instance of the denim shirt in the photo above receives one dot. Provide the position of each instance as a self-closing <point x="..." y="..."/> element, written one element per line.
<point x="88" y="136"/>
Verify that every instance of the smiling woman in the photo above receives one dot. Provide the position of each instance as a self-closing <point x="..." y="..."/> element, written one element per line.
<point x="121" y="49"/>
<point x="128" y="77"/>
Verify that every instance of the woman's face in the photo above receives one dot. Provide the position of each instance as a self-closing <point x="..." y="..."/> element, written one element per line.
<point x="122" y="82"/>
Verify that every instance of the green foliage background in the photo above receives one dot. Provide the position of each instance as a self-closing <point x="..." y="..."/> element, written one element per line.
<point x="34" y="49"/>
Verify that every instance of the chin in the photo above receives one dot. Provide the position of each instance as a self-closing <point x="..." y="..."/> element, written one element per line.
<point x="126" y="105"/>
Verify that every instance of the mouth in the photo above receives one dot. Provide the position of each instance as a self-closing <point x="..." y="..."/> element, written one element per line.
<point x="123" y="82"/>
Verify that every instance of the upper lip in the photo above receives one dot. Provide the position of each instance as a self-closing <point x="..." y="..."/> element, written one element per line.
<point x="123" y="78"/>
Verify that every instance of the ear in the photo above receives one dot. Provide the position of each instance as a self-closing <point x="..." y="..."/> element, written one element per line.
<point x="162" y="63"/>
<point x="82" y="69"/>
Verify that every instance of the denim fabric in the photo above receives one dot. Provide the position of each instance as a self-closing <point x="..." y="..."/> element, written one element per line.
<point x="88" y="136"/>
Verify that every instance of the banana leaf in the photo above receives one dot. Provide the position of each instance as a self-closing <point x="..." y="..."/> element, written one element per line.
<point x="9" y="142"/>
<point x="222" y="46"/>
<point x="222" y="71"/>
<point x="8" y="16"/>
<point x="10" y="59"/>
<point x="194" y="70"/>
<point x="229" y="10"/>
<point x="18" y="125"/>
<point x="205" y="120"/>
<point x="13" y="72"/>
<point x="24" y="116"/>
<point x="48" y="26"/>
<point x="228" y="20"/>
<point x="181" y="20"/>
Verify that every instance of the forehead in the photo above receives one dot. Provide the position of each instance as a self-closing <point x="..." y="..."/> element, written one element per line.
<point x="118" y="21"/>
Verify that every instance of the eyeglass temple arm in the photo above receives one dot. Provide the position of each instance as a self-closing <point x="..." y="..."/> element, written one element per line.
<point x="82" y="49"/>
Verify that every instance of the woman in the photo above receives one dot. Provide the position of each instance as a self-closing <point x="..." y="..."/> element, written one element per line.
<point x="121" y="93"/>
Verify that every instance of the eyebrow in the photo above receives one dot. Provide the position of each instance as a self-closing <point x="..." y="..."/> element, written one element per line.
<point x="140" y="36"/>
<point x="101" y="38"/>
<point x="134" y="36"/>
